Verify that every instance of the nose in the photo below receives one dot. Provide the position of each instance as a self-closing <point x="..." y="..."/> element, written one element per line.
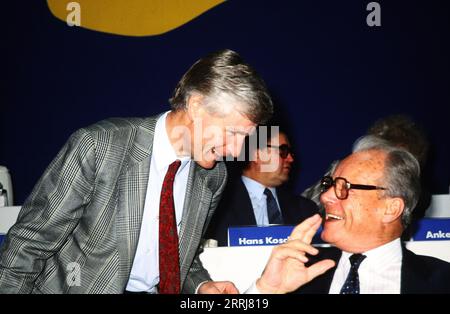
<point x="328" y="197"/>
<point x="289" y="158"/>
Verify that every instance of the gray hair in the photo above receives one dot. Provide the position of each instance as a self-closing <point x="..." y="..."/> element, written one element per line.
<point x="220" y="76"/>
<point x="401" y="172"/>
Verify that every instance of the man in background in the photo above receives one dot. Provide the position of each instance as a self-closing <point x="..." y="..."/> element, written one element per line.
<point x="259" y="197"/>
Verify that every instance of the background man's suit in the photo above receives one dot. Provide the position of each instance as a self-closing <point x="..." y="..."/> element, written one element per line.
<point x="419" y="274"/>
<point x="87" y="208"/>
<point x="236" y="209"/>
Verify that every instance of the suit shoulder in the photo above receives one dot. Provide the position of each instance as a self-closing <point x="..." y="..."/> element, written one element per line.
<point x="115" y="125"/>
<point x="118" y="137"/>
<point x="424" y="274"/>
<point x="430" y="262"/>
<point x="120" y="130"/>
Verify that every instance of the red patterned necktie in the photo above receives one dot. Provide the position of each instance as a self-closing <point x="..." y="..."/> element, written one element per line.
<point x="169" y="265"/>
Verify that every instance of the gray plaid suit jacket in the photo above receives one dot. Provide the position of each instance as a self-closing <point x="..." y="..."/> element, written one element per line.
<point x="87" y="209"/>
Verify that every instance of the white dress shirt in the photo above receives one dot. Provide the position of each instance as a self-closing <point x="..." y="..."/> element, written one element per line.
<point x="145" y="270"/>
<point x="379" y="272"/>
<point x="259" y="199"/>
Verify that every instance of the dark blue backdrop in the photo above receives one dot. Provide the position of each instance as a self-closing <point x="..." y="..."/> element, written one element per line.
<point x="330" y="74"/>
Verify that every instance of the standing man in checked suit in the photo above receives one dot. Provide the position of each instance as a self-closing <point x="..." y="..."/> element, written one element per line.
<point x="91" y="223"/>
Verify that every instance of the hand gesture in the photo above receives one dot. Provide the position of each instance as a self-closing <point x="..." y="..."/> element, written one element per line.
<point x="286" y="271"/>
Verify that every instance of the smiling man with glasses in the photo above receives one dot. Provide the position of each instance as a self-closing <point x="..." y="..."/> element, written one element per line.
<point x="368" y="203"/>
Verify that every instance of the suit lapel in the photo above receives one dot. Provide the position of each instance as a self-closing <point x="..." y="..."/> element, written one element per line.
<point x="196" y="205"/>
<point x="132" y="189"/>
<point x="284" y="205"/>
<point x="413" y="277"/>
<point x="243" y="208"/>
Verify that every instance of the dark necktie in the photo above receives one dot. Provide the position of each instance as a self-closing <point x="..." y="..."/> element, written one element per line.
<point x="273" y="213"/>
<point x="169" y="265"/>
<point x="351" y="285"/>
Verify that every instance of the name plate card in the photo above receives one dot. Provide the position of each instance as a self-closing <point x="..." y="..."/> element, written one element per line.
<point x="269" y="235"/>
<point x="432" y="229"/>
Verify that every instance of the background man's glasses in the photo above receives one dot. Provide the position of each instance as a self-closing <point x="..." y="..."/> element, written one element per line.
<point x="284" y="149"/>
<point x="342" y="186"/>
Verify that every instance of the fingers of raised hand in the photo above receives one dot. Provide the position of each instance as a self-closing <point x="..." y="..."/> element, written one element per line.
<point x="319" y="268"/>
<point x="306" y="229"/>
<point x="295" y="249"/>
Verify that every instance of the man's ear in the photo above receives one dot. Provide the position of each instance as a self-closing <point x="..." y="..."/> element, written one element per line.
<point x="394" y="209"/>
<point x="194" y="105"/>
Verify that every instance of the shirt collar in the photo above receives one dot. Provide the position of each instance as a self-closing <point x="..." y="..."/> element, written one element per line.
<point x="256" y="189"/>
<point x="165" y="154"/>
<point x="382" y="255"/>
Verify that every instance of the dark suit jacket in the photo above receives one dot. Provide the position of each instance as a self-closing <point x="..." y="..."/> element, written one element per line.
<point x="87" y="209"/>
<point x="235" y="209"/>
<point x="419" y="274"/>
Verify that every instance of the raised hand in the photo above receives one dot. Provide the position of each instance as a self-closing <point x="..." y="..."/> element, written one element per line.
<point x="286" y="271"/>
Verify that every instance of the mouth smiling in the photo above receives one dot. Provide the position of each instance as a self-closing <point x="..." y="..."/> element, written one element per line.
<point x="333" y="217"/>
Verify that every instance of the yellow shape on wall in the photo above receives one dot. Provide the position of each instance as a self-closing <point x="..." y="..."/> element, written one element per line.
<point x="133" y="17"/>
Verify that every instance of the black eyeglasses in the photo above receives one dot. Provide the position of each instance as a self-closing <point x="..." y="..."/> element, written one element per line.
<point x="342" y="186"/>
<point x="284" y="149"/>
